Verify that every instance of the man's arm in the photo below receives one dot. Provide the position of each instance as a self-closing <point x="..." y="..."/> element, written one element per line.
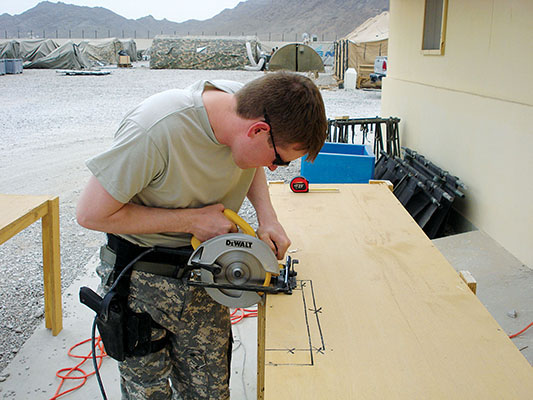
<point x="98" y="210"/>
<point x="270" y="230"/>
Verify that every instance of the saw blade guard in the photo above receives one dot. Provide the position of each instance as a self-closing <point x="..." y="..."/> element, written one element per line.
<point x="243" y="260"/>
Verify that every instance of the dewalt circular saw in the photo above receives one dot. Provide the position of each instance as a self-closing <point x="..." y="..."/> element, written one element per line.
<point x="236" y="269"/>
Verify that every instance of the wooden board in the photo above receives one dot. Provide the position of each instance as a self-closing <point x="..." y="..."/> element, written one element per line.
<point x="379" y="312"/>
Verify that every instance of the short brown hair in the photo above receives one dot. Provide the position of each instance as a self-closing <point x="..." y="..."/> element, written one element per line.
<point x="294" y="106"/>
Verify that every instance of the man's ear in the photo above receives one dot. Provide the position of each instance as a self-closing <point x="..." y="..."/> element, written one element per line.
<point x="257" y="127"/>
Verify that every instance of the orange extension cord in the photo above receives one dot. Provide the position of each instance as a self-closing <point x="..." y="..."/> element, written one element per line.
<point x="522" y="331"/>
<point x="84" y="376"/>
<point x="236" y="316"/>
<point x="240" y="313"/>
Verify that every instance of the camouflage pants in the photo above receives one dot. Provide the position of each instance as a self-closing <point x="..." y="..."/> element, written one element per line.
<point x="195" y="362"/>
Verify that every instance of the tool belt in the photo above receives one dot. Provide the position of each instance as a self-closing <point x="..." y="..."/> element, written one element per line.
<point x="124" y="332"/>
<point x="119" y="252"/>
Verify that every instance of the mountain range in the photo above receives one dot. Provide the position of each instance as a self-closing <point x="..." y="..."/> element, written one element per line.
<point x="270" y="19"/>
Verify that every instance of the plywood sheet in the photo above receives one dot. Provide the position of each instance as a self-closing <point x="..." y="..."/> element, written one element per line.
<point x="379" y="313"/>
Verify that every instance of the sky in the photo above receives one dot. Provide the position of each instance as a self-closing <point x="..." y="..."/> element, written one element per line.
<point x="173" y="10"/>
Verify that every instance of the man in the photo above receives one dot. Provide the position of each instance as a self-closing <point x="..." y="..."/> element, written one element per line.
<point x="178" y="160"/>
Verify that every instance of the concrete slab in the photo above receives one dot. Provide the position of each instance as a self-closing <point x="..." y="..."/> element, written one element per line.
<point x="504" y="284"/>
<point x="32" y="373"/>
<point x="243" y="381"/>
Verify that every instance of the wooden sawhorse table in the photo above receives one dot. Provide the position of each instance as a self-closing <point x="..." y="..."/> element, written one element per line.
<point x="378" y="312"/>
<point x="17" y="212"/>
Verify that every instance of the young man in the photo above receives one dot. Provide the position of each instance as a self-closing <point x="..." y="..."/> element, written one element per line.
<point x="178" y="160"/>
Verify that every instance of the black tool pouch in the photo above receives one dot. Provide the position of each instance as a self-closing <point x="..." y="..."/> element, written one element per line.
<point x="123" y="332"/>
<point x="139" y="335"/>
<point x="111" y="321"/>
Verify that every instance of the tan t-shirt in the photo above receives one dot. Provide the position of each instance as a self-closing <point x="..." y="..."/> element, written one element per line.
<point x="166" y="155"/>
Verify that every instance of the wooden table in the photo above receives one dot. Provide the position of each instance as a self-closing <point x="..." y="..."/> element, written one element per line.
<point x="378" y="313"/>
<point x="17" y="212"/>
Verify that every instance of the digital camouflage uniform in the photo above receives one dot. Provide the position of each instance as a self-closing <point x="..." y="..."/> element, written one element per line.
<point x="200" y="341"/>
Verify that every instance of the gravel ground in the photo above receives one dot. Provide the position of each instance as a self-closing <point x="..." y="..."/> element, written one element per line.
<point x="50" y="124"/>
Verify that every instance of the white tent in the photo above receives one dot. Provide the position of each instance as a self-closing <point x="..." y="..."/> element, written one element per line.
<point x="374" y="29"/>
<point x="360" y="48"/>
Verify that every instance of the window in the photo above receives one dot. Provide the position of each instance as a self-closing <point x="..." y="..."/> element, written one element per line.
<point x="434" y="27"/>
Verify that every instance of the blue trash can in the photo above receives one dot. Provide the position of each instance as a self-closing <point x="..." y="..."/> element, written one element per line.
<point x="2" y="66"/>
<point x="13" y="65"/>
<point x="340" y="163"/>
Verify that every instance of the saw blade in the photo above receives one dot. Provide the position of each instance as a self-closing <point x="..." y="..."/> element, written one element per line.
<point x="237" y="268"/>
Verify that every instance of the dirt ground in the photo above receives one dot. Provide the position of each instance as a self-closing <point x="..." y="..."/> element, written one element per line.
<point x="49" y="125"/>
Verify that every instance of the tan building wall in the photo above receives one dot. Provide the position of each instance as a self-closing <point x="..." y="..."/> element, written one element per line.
<point x="470" y="111"/>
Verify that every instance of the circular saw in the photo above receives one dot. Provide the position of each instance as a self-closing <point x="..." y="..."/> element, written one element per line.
<point x="236" y="269"/>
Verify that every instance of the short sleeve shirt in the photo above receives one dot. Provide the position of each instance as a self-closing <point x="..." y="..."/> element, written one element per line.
<point x="166" y="155"/>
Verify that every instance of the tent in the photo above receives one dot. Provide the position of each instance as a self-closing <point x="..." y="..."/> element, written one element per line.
<point x="27" y="49"/>
<point x="67" y="56"/>
<point x="360" y="48"/>
<point x="33" y="49"/>
<point x="10" y="49"/>
<point x="103" y="51"/>
<point x="130" y="47"/>
<point x="173" y="52"/>
<point x="296" y="57"/>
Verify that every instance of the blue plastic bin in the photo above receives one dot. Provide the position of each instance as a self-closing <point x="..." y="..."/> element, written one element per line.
<point x="13" y="65"/>
<point x="340" y="163"/>
<point x="2" y="66"/>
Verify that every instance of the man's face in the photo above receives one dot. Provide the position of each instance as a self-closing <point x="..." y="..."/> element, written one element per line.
<point x="259" y="152"/>
<point x="284" y="155"/>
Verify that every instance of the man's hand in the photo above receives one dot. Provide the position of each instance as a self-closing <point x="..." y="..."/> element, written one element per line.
<point x="210" y="221"/>
<point x="274" y="235"/>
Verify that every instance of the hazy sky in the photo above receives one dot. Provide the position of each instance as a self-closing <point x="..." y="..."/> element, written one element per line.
<point x="176" y="10"/>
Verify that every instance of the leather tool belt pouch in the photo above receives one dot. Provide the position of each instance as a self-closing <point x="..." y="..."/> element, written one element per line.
<point x="123" y="332"/>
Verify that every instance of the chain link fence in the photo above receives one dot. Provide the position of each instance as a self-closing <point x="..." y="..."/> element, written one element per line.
<point x="147" y="34"/>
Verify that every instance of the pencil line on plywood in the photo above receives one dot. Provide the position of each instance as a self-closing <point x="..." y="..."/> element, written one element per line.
<point x="311" y="316"/>
<point x="307" y="326"/>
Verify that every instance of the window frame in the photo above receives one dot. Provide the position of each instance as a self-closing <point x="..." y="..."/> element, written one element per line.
<point x="442" y="43"/>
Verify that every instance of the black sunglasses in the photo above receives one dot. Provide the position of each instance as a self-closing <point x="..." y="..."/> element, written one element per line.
<point x="278" y="161"/>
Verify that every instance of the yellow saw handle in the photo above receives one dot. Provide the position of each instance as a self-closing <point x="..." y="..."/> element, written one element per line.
<point x="236" y="219"/>
<point x="241" y="223"/>
<point x="245" y="228"/>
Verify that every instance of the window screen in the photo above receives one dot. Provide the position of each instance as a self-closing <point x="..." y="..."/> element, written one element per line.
<point x="434" y="24"/>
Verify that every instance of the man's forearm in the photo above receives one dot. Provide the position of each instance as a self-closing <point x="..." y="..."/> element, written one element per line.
<point x="137" y="219"/>
<point x="98" y="210"/>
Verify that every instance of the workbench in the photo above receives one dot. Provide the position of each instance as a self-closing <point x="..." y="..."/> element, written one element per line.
<point x="17" y="212"/>
<point x="378" y="312"/>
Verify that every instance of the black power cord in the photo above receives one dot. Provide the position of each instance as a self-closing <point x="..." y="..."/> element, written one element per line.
<point x="95" y="364"/>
